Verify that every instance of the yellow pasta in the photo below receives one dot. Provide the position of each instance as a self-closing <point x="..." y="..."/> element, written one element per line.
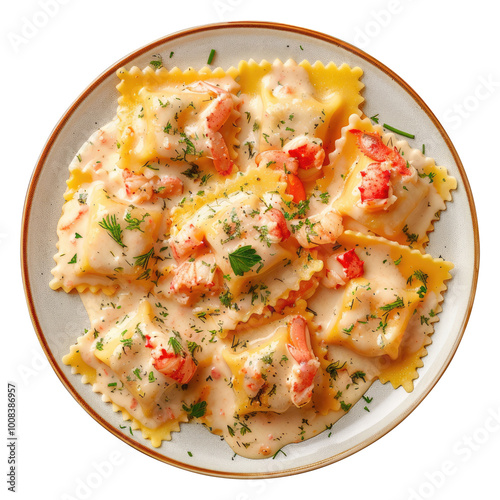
<point x="418" y="198"/>
<point x="250" y="251"/>
<point x="374" y="316"/>
<point x="89" y="374"/>
<point x="328" y="96"/>
<point x="160" y="111"/>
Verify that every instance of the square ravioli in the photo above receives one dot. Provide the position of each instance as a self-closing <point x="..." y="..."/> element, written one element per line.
<point x="259" y="374"/>
<point x="270" y="92"/>
<point x="180" y="117"/>
<point x="387" y="311"/>
<point x="250" y="251"/>
<point x="373" y="317"/>
<point x="388" y="187"/>
<point x="234" y="256"/>
<point x="110" y="242"/>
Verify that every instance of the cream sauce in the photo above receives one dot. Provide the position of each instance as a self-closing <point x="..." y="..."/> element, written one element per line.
<point x="242" y="354"/>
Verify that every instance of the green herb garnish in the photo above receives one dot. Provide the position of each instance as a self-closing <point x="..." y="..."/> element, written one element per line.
<point x="143" y="260"/>
<point x="190" y="149"/>
<point x="133" y="222"/>
<point x="193" y="172"/>
<point x="397" y="304"/>
<point x="397" y="131"/>
<point x="243" y="259"/>
<point x="211" y="56"/>
<point x="346" y="407"/>
<point x="348" y="330"/>
<point x="280" y="450"/>
<point x="113" y="228"/>
<point x="410" y="237"/>
<point x="358" y="374"/>
<point x="196" y="410"/>
<point x="127" y="342"/>
<point x="176" y="345"/>
<point x="333" y="368"/>
<point x="430" y="175"/>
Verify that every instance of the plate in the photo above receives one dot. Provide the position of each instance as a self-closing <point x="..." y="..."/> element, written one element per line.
<point x="384" y="90"/>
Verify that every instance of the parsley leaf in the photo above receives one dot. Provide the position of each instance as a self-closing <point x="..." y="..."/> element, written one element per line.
<point x="196" y="410"/>
<point x="243" y="259"/>
<point x="158" y="62"/>
<point x="226" y="298"/>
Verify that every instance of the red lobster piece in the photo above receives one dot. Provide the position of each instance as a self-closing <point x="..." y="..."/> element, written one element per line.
<point x="371" y="145"/>
<point x="178" y="364"/>
<point x="375" y="183"/>
<point x="352" y="265"/>
<point x="375" y="187"/>
<point x="306" y="364"/>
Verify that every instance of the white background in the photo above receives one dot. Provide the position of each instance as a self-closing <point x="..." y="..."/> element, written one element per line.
<point x="448" y="52"/>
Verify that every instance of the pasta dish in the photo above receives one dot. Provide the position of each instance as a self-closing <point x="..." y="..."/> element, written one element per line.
<point x="250" y="249"/>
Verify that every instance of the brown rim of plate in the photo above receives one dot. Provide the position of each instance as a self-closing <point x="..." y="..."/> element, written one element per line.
<point x="41" y="161"/>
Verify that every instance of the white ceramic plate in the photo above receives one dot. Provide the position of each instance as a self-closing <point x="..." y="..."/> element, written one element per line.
<point x="59" y="318"/>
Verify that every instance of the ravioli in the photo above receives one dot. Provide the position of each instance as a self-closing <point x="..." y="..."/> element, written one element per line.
<point x="250" y="250"/>
<point x="419" y="197"/>
<point x="163" y="114"/>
